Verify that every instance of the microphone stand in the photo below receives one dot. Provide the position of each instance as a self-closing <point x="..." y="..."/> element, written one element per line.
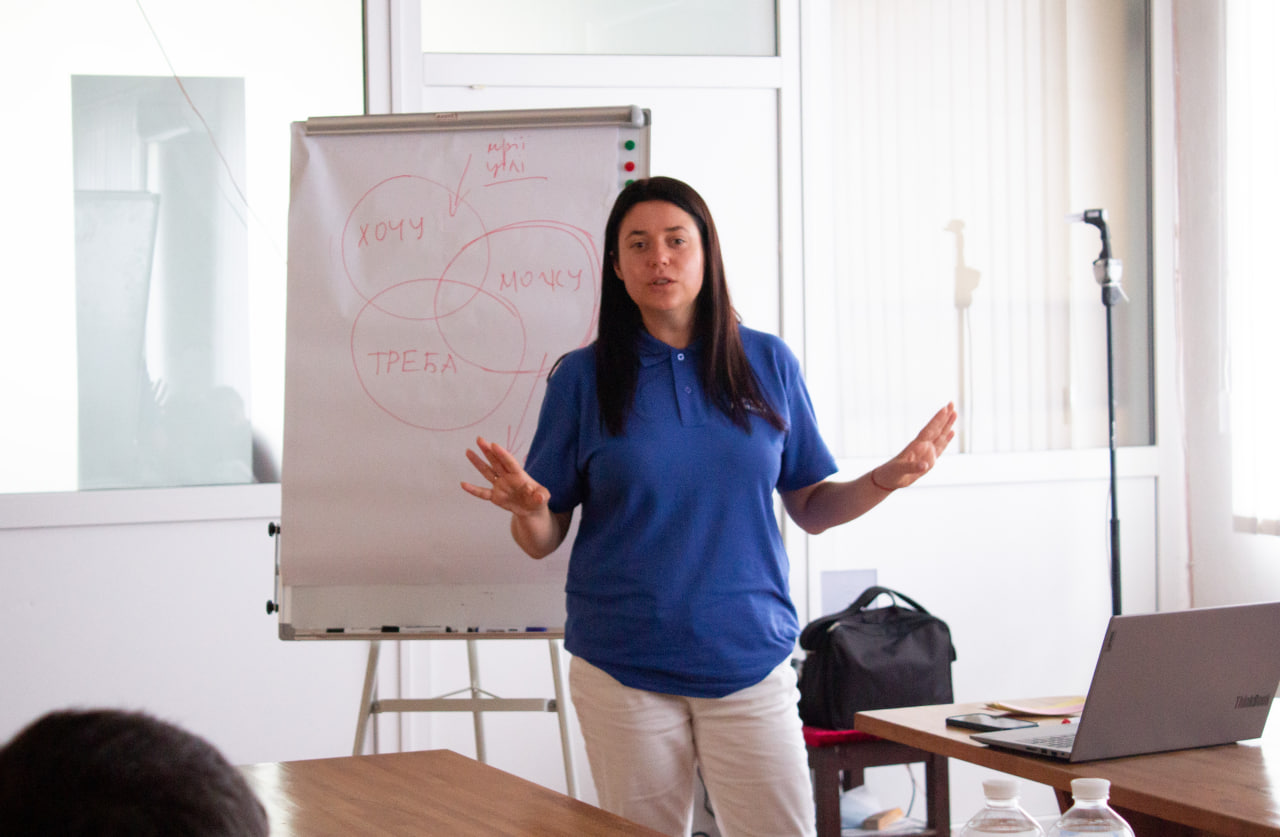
<point x="1107" y="271"/>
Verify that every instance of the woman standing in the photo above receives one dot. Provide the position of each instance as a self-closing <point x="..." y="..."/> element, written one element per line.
<point x="672" y="431"/>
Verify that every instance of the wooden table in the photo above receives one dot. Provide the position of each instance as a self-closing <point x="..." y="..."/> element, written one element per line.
<point x="1230" y="790"/>
<point x="431" y="792"/>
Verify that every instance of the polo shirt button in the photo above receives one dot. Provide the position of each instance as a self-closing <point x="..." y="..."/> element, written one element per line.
<point x="688" y="390"/>
<point x="680" y="356"/>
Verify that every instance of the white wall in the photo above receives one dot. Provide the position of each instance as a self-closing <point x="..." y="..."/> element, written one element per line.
<point x="170" y="617"/>
<point x="165" y="616"/>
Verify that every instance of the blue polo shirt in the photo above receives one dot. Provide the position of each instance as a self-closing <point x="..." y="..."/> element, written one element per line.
<point x="678" y="580"/>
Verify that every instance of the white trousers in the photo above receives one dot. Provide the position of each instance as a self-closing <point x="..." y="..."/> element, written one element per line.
<point x="643" y="747"/>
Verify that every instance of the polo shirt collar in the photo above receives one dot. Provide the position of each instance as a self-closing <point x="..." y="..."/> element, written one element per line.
<point x="652" y="350"/>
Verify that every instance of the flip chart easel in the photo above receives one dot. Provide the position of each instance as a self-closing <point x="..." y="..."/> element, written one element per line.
<point x="438" y="266"/>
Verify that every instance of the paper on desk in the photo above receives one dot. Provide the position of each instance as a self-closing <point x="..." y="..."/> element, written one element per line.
<point x="1064" y="705"/>
<point x="903" y="827"/>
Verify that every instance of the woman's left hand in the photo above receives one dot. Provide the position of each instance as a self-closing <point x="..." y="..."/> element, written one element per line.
<point x="918" y="458"/>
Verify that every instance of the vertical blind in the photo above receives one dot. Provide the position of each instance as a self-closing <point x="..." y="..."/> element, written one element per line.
<point x="957" y="275"/>
<point x="1253" y="281"/>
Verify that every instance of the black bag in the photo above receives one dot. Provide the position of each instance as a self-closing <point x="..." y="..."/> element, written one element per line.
<point x="860" y="659"/>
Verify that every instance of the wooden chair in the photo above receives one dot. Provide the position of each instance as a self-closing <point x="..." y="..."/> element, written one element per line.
<point x="838" y="759"/>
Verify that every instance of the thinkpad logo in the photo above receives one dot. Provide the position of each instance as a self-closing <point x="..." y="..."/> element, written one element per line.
<point x="1251" y="701"/>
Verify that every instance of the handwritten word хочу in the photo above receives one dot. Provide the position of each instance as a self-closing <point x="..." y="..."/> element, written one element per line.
<point x="391" y="231"/>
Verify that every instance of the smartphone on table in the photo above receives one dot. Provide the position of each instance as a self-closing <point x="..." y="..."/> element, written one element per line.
<point x="986" y="722"/>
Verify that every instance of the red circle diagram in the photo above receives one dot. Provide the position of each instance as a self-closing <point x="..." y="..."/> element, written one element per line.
<point x="444" y="348"/>
<point x="407" y="369"/>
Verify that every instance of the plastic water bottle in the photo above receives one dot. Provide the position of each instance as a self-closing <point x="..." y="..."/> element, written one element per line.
<point x="1090" y="814"/>
<point x="1002" y="814"/>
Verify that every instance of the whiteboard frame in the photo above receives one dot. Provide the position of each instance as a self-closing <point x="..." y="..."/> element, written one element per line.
<point x="627" y="116"/>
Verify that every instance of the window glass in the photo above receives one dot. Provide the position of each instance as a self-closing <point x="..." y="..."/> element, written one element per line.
<point x="601" y="27"/>
<point x="160" y="271"/>
<point x="147" y="169"/>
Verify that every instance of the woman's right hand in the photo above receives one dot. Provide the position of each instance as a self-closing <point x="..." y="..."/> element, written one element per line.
<point x="510" y="487"/>
<point x="535" y="528"/>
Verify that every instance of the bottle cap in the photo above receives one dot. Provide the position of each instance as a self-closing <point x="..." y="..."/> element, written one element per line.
<point x="1090" y="788"/>
<point x="1001" y="787"/>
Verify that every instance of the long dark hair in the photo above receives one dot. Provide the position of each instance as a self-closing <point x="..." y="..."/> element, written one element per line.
<point x="725" y="373"/>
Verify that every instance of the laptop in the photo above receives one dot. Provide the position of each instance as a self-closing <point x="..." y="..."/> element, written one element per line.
<point x="1168" y="681"/>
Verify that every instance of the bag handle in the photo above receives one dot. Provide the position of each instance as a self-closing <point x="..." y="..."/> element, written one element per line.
<point x="872" y="593"/>
<point x="813" y="633"/>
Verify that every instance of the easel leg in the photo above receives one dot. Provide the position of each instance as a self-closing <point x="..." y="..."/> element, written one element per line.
<point x="570" y="777"/>
<point x="366" y="698"/>
<point x="473" y="665"/>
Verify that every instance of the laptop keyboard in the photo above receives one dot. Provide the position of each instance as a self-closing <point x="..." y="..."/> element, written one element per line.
<point x="1060" y="741"/>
